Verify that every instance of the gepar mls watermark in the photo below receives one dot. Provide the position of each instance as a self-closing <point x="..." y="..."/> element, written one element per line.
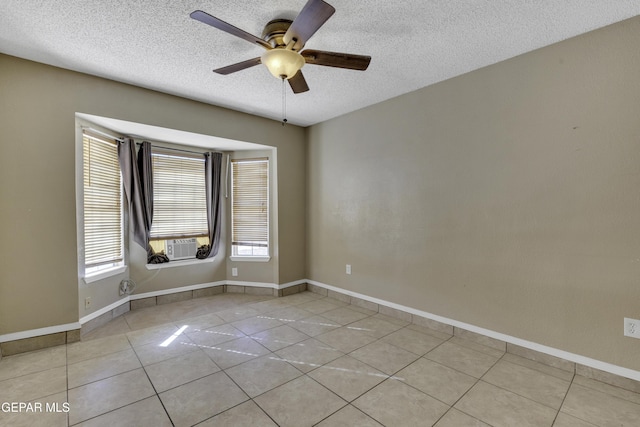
<point x="34" y="407"/>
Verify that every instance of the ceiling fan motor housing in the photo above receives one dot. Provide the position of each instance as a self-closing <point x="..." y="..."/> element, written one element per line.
<point x="274" y="32"/>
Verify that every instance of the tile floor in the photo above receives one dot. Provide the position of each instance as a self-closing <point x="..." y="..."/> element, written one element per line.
<point x="302" y="360"/>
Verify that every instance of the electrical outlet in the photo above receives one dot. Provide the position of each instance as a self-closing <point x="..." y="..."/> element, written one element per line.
<point x="87" y="303"/>
<point x="631" y="328"/>
<point x="348" y="268"/>
<point x="234" y="271"/>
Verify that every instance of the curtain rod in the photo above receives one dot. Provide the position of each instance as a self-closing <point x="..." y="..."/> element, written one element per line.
<point x="99" y="132"/>
<point x="139" y="143"/>
<point x="180" y="149"/>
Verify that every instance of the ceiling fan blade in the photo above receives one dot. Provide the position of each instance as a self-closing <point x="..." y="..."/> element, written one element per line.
<point x="238" y="67"/>
<point x="336" y="59"/>
<point x="205" y="18"/>
<point x="298" y="83"/>
<point x="311" y="17"/>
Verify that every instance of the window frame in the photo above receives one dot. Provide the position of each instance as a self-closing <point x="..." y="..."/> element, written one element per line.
<point x="173" y="156"/>
<point x="263" y="257"/>
<point x="118" y="263"/>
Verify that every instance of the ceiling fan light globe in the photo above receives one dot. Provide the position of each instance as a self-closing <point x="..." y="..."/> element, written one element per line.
<point x="282" y="63"/>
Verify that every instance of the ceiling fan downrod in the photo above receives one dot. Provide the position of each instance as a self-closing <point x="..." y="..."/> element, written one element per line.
<point x="284" y="101"/>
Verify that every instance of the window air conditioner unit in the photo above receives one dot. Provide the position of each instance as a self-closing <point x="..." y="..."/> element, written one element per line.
<point x="181" y="248"/>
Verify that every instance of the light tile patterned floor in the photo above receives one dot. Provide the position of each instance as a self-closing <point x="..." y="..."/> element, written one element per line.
<point x="302" y="360"/>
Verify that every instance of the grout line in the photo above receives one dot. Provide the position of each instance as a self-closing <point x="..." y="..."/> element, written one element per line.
<point x="607" y="385"/>
<point x="564" y="398"/>
<point x="503" y="388"/>
<point x="334" y="393"/>
<point x="518" y="394"/>
<point x="120" y="407"/>
<point x="157" y="395"/>
<point x="66" y="359"/>
<point x="477" y="380"/>
<point x="34" y="372"/>
<point x="534" y="366"/>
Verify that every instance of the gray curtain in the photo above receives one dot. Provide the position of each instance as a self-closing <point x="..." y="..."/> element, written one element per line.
<point x="146" y="185"/>
<point x="138" y="187"/>
<point x="213" y="173"/>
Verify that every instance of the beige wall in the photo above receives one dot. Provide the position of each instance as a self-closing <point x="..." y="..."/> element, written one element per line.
<point x="507" y="198"/>
<point x="38" y="257"/>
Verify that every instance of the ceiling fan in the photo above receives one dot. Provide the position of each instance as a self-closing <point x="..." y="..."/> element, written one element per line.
<point x="283" y="39"/>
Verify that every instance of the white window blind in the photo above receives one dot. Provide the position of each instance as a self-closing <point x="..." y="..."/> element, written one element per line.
<point x="250" y="207"/>
<point x="102" y="202"/>
<point x="179" y="196"/>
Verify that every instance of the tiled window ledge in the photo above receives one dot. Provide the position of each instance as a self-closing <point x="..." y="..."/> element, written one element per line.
<point x="179" y="263"/>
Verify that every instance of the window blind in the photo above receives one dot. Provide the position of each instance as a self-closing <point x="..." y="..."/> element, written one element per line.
<point x="102" y="202"/>
<point x="250" y="202"/>
<point x="179" y="196"/>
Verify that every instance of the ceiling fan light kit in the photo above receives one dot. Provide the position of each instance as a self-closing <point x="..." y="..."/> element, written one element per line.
<point x="283" y="41"/>
<point x="282" y="63"/>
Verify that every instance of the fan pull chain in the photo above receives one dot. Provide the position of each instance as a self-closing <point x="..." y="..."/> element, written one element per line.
<point x="284" y="102"/>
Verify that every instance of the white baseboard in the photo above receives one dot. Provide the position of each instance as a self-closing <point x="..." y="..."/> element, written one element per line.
<point x="134" y="297"/>
<point x="290" y="284"/>
<point x="572" y="357"/>
<point x="103" y="310"/>
<point x="264" y="284"/>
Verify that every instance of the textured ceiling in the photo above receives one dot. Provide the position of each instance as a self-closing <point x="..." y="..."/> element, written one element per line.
<point x="415" y="43"/>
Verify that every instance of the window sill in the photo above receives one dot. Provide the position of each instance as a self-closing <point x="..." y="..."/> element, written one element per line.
<point x="180" y="263"/>
<point x="250" y="258"/>
<point x="105" y="274"/>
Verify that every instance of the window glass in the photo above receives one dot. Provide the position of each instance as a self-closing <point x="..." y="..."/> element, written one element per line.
<point x="179" y="196"/>
<point x="250" y="207"/>
<point x="103" y="238"/>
